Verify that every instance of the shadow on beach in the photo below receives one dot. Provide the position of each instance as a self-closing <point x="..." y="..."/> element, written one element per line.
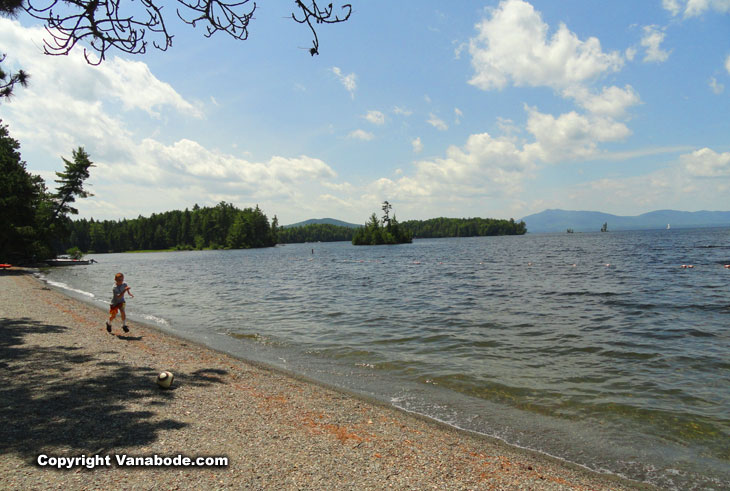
<point x="66" y="400"/>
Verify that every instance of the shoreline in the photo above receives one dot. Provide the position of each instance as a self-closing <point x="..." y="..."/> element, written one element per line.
<point x="73" y="389"/>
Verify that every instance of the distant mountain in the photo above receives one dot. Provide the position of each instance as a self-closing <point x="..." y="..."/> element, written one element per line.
<point x="328" y="221"/>
<point x="591" y="221"/>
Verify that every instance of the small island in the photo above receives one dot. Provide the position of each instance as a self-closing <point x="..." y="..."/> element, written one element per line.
<point x="385" y="231"/>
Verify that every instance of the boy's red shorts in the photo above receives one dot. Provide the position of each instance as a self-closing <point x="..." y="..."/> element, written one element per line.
<point x="114" y="308"/>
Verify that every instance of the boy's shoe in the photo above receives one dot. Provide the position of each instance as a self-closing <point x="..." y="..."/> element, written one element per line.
<point x="125" y="328"/>
<point x="108" y="327"/>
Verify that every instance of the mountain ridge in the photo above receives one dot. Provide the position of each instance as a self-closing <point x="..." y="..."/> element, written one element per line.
<point x="557" y="220"/>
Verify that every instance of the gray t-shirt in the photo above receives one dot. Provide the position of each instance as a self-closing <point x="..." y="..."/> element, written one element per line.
<point x="118" y="290"/>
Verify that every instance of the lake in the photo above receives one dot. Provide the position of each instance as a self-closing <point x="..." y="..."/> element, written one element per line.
<point x="598" y="348"/>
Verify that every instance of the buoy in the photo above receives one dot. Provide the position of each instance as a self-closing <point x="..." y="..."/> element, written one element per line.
<point x="164" y="379"/>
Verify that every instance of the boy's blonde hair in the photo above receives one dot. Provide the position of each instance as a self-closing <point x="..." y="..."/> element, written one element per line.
<point x="117" y="276"/>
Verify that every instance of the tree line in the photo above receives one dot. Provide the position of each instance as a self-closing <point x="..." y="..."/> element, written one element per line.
<point x="219" y="227"/>
<point x="226" y="227"/>
<point x="315" y="232"/>
<point x="463" y="227"/>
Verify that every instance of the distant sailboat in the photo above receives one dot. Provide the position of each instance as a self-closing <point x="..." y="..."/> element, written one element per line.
<point x="605" y="227"/>
<point x="668" y="227"/>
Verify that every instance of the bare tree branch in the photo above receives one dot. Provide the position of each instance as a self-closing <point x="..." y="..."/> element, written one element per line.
<point x="319" y="16"/>
<point x="220" y="16"/>
<point x="101" y="25"/>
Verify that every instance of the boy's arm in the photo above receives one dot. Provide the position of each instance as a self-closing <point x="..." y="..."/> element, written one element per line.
<point x="128" y="291"/>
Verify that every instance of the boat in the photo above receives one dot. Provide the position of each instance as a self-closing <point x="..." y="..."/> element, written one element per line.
<point x="668" y="227"/>
<point x="605" y="227"/>
<point x="68" y="262"/>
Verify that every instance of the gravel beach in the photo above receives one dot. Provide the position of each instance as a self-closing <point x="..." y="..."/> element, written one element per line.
<point x="69" y="389"/>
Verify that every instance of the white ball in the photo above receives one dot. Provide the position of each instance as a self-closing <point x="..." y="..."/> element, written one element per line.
<point x="164" y="379"/>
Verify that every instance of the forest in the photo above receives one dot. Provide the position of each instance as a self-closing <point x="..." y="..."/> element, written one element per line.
<point x="315" y="232"/>
<point x="220" y="227"/>
<point x="463" y="227"/>
<point x="226" y="227"/>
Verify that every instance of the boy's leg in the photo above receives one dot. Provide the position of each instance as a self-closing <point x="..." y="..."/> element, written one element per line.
<point x="124" y="319"/>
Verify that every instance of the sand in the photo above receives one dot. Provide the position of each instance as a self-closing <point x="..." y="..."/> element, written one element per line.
<point x="70" y="389"/>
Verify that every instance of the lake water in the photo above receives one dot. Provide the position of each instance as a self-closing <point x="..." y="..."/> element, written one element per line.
<point x="596" y="348"/>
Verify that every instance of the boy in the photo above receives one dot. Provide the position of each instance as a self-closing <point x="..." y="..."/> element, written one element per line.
<point x="118" y="302"/>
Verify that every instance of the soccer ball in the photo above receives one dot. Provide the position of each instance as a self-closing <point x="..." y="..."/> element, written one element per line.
<point x="164" y="379"/>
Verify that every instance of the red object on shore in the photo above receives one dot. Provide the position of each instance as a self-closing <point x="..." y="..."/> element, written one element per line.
<point x="5" y="266"/>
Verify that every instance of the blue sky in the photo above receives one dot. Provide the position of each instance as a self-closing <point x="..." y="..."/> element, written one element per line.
<point x="491" y="108"/>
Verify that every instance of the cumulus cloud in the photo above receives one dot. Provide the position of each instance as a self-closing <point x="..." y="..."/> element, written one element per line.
<point x="70" y="103"/>
<point x="611" y="101"/>
<point x="375" y="117"/>
<point x="361" y="135"/>
<point x="651" y="41"/>
<point x="349" y="81"/>
<point x="682" y="185"/>
<point x="483" y="166"/>
<point x="159" y="176"/>
<point x="437" y="122"/>
<point x="513" y="46"/>
<point x="417" y="145"/>
<point x="707" y="163"/>
<point x="569" y="136"/>
<point x="694" y="8"/>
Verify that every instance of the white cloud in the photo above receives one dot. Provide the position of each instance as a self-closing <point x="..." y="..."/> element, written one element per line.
<point x="707" y="163"/>
<point x="694" y="8"/>
<point x="417" y="145"/>
<point x="69" y="103"/>
<point x="652" y="40"/>
<point x="349" y="81"/>
<point x="513" y="45"/>
<point x="716" y="86"/>
<point x="612" y="101"/>
<point x="129" y="82"/>
<point x="570" y="136"/>
<point x="361" y="135"/>
<point x="483" y="166"/>
<point x="437" y="123"/>
<point x="681" y="185"/>
<point x="672" y="5"/>
<point x="375" y="117"/>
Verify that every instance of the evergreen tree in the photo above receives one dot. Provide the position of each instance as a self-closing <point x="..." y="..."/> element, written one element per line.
<point x="21" y="195"/>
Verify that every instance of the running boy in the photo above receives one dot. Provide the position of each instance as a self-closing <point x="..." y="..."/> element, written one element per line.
<point x="118" y="302"/>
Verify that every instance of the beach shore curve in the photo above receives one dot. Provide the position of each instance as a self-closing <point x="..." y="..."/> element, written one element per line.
<point x="70" y="389"/>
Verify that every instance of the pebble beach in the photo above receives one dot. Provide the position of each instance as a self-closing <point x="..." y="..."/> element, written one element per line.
<point x="69" y="389"/>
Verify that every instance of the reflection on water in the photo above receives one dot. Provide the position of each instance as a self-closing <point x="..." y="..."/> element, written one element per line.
<point x="598" y="348"/>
